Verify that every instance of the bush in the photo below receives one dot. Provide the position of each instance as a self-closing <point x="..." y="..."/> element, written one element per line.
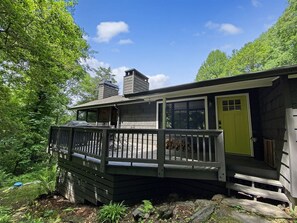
<point x="5" y="215"/>
<point x="48" y="178"/>
<point x="112" y="213"/>
<point x="147" y="207"/>
<point x="4" y="177"/>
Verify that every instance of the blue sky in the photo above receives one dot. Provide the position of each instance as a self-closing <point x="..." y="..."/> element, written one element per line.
<point x="168" y="40"/>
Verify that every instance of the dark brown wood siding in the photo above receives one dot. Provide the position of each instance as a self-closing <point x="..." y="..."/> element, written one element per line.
<point x="79" y="182"/>
<point x="140" y="116"/>
<point x="273" y="120"/>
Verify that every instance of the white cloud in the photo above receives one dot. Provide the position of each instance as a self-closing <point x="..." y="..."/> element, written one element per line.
<point x="119" y="73"/>
<point x="231" y="29"/>
<point x="226" y="28"/>
<point x="256" y="3"/>
<point x="158" y="81"/>
<point x="125" y="42"/>
<point x="107" y="30"/>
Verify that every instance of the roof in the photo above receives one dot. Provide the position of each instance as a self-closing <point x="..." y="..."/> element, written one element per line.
<point x="238" y="82"/>
<point x="118" y="99"/>
<point x="233" y="79"/>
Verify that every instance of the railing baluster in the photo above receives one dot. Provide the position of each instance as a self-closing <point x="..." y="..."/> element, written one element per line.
<point x="118" y="141"/>
<point x="209" y="148"/>
<point x="142" y="142"/>
<point x="152" y="146"/>
<point x="136" y="145"/>
<point x="127" y="147"/>
<point x="192" y="149"/>
<point x="113" y="147"/>
<point x="132" y="146"/>
<point x="198" y="148"/>
<point x="175" y="140"/>
<point x="147" y="143"/>
<point x="180" y="146"/>
<point x="186" y="147"/>
<point x="203" y="147"/>
<point x="122" y="134"/>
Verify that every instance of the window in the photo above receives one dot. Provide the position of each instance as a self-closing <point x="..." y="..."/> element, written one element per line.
<point x="87" y="115"/>
<point x="92" y="116"/>
<point x="231" y="105"/>
<point x="81" y="115"/>
<point x="184" y="115"/>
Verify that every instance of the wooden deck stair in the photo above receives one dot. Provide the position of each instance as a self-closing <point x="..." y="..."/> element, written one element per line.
<point x="255" y="186"/>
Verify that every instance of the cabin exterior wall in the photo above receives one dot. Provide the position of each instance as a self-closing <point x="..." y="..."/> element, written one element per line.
<point x="140" y="116"/>
<point x="273" y="118"/>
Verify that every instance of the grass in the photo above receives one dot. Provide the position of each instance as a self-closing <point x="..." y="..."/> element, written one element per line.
<point x="112" y="213"/>
<point x="18" y="197"/>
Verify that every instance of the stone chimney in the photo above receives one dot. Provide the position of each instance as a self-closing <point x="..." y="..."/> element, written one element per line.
<point x="134" y="82"/>
<point x="107" y="89"/>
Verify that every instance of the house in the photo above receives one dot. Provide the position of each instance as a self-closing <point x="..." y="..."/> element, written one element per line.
<point x="240" y="131"/>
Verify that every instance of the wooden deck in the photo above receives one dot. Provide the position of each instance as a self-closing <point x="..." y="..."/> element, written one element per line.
<point x="188" y="154"/>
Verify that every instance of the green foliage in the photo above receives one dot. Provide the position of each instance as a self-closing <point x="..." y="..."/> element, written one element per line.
<point x="213" y="67"/>
<point x="41" y="47"/>
<point x="48" y="178"/>
<point x="5" y="215"/>
<point x="4" y="177"/>
<point x="147" y="207"/>
<point x="87" y="88"/>
<point x="112" y="213"/>
<point x="274" y="48"/>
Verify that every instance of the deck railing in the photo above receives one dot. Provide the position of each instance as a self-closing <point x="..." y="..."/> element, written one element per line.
<point x="162" y="148"/>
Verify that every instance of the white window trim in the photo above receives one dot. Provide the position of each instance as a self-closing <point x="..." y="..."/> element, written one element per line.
<point x="184" y="100"/>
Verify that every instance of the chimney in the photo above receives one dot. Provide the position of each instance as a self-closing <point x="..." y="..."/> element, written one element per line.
<point x="107" y="89"/>
<point x="134" y="82"/>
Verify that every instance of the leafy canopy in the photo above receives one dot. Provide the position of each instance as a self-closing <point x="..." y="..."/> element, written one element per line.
<point x="40" y="49"/>
<point x="274" y="48"/>
<point x="213" y="67"/>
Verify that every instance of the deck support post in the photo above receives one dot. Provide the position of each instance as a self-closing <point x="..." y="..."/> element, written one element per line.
<point x="70" y="143"/>
<point x="104" y="151"/>
<point x="161" y="152"/>
<point x="164" y="113"/>
<point x="220" y="153"/>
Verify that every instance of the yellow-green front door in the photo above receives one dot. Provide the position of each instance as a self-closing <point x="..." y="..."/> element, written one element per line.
<point x="233" y="119"/>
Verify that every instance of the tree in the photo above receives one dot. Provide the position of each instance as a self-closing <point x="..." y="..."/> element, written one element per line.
<point x="87" y="88"/>
<point x="213" y="67"/>
<point x="274" y="48"/>
<point x="251" y="58"/>
<point x="40" y="49"/>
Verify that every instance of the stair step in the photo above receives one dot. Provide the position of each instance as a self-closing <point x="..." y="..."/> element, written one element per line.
<point x="261" y="180"/>
<point x="258" y="172"/>
<point x="258" y="192"/>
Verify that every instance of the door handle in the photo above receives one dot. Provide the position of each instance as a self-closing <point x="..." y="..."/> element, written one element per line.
<point x="220" y="124"/>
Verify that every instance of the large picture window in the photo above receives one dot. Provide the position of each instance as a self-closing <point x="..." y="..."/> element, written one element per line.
<point x="184" y="114"/>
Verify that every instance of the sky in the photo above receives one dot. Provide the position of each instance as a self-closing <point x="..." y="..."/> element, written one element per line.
<point x="168" y="40"/>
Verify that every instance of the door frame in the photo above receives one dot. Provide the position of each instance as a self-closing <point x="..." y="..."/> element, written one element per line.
<point x="247" y="95"/>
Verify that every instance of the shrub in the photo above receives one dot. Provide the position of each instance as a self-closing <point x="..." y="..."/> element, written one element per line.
<point x="3" y="177"/>
<point x="47" y="178"/>
<point x="112" y="213"/>
<point x="5" y="215"/>
<point x="147" y="207"/>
